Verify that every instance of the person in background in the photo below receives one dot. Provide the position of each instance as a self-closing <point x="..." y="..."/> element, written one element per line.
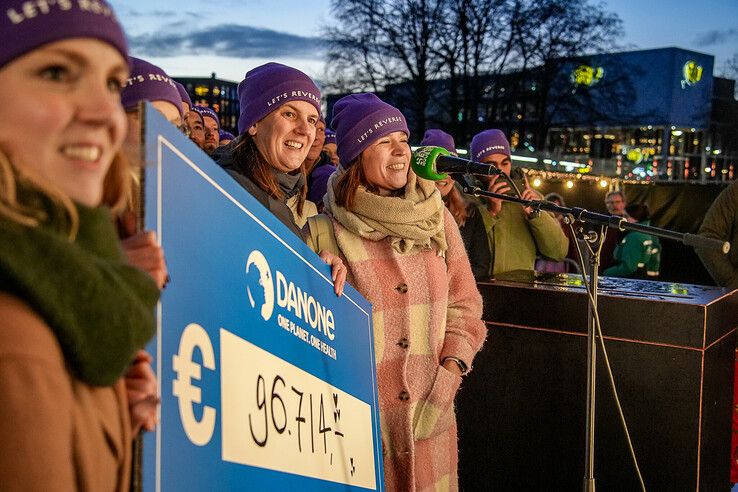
<point x="615" y="204"/>
<point x="320" y="169"/>
<point x="516" y="234"/>
<point x="315" y="156"/>
<point x="148" y="83"/>
<point x="330" y="147"/>
<point x="721" y="222"/>
<point x="225" y="138"/>
<point x="267" y="157"/>
<point x="196" y="128"/>
<point x="466" y="214"/>
<point x="639" y="254"/>
<point x="405" y="255"/>
<point x="212" y="129"/>
<point x="185" y="97"/>
<point x="73" y="312"/>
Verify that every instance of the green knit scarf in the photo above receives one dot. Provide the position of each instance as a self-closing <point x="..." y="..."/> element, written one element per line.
<point x="99" y="307"/>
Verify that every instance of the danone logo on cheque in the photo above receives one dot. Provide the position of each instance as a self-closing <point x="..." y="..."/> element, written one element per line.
<point x="258" y="268"/>
<point x="264" y="290"/>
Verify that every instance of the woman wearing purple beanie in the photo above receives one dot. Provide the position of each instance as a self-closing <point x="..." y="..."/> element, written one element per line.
<point x="280" y="108"/>
<point x="405" y="255"/>
<point x="467" y="215"/>
<point x="73" y="311"/>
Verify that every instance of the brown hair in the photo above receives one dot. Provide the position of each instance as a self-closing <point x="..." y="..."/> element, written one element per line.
<point x="349" y="182"/>
<point x="254" y="166"/>
<point x="116" y="193"/>
<point x="457" y="205"/>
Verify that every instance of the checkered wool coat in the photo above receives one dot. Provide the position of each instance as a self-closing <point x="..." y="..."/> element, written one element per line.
<point x="425" y="308"/>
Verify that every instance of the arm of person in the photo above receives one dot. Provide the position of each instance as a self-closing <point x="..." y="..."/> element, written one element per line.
<point x="719" y="223"/>
<point x="477" y="245"/>
<point x="548" y="236"/>
<point x="36" y="410"/>
<point x="465" y="331"/>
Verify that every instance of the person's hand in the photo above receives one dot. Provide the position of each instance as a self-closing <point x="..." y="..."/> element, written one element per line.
<point x="496" y="185"/>
<point x="142" y="392"/>
<point x="452" y="367"/>
<point x="144" y="253"/>
<point x="529" y="193"/>
<point x="338" y="270"/>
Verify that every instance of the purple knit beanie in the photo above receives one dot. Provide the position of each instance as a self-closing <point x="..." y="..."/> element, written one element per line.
<point x="362" y="119"/>
<point x="438" y="138"/>
<point x="487" y="143"/>
<point x="206" y="112"/>
<point x="224" y="135"/>
<point x="269" y="86"/>
<point x="25" y="25"/>
<point x="149" y="83"/>
<point x="330" y="136"/>
<point x="183" y="94"/>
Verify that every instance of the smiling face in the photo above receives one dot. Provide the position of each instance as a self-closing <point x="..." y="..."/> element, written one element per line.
<point x="285" y="135"/>
<point x="60" y="114"/>
<point x="386" y="163"/>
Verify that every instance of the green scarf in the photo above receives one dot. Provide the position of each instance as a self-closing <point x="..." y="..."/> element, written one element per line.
<point x="99" y="307"/>
<point x="413" y="220"/>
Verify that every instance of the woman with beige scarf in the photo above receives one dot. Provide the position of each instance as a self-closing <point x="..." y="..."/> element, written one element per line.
<point x="405" y="255"/>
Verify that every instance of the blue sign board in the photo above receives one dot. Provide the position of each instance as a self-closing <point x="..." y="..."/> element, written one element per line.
<point x="267" y="379"/>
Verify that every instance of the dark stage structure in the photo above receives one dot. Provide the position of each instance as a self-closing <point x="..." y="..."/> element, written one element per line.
<point x="521" y="411"/>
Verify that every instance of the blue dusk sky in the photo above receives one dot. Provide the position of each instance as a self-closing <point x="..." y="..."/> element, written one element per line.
<point x="230" y="37"/>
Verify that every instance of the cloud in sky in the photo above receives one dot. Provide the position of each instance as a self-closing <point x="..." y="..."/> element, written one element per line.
<point x="226" y="40"/>
<point x="715" y="36"/>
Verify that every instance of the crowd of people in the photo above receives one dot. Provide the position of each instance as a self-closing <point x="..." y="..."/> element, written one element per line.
<point x="80" y="278"/>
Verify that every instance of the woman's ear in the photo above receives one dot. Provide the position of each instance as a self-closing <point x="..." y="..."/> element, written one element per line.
<point x="252" y="130"/>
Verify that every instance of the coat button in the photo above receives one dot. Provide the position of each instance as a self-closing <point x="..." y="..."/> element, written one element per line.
<point x="402" y="288"/>
<point x="404" y="395"/>
<point x="403" y="343"/>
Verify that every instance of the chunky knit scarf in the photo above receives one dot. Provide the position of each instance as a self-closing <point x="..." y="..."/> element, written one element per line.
<point x="99" y="308"/>
<point x="414" y="220"/>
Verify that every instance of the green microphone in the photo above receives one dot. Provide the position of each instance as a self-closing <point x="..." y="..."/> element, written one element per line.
<point x="436" y="163"/>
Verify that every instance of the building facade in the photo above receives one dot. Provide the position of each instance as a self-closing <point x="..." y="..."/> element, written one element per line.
<point x="647" y="114"/>
<point x="220" y="95"/>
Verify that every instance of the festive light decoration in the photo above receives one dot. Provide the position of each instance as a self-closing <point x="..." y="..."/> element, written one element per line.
<point x="570" y="184"/>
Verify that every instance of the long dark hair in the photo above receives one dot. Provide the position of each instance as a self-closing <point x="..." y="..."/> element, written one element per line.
<point x="252" y="164"/>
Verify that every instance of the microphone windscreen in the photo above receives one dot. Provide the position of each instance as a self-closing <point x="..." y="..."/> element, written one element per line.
<point x="423" y="162"/>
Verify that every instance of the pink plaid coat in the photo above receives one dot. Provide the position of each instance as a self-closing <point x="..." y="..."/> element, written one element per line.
<point x="425" y="308"/>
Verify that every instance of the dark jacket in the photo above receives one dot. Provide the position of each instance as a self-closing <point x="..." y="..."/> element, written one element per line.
<point x="721" y="222"/>
<point x="474" y="236"/>
<point x="224" y="157"/>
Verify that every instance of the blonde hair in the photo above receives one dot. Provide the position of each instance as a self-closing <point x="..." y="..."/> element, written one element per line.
<point x="116" y="194"/>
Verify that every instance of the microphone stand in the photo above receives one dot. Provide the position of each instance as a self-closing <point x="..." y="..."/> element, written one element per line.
<point x="616" y="222"/>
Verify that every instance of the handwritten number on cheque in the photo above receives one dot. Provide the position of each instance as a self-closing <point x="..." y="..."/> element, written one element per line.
<point x="307" y="408"/>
